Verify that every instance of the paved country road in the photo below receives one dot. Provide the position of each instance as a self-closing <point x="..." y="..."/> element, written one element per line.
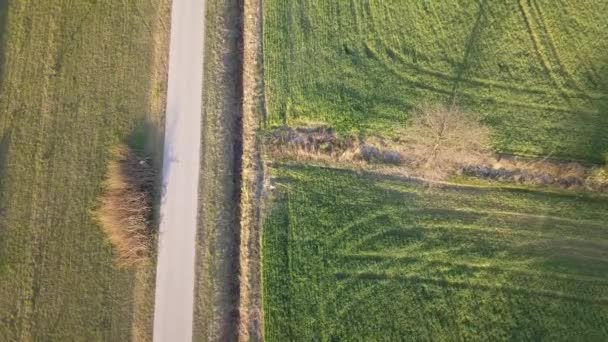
<point x="174" y="303"/>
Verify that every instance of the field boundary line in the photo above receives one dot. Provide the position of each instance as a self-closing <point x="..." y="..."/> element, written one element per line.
<point x="375" y="174"/>
<point x="250" y="311"/>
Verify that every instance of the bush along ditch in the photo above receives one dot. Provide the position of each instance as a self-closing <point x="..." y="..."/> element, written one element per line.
<point x="439" y="143"/>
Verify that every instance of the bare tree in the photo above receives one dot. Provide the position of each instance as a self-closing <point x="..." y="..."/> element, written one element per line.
<point x="443" y="138"/>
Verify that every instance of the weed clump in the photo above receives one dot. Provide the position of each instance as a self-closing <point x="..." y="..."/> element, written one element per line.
<point x="125" y="209"/>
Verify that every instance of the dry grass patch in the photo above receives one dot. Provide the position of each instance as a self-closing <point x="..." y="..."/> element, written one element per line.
<point x="442" y="138"/>
<point x="125" y="210"/>
<point x="439" y="141"/>
<point x="423" y="151"/>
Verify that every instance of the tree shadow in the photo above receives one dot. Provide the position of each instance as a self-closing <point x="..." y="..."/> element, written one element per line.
<point x="146" y="139"/>
<point x="599" y="136"/>
<point x="582" y="255"/>
<point x="4" y="150"/>
<point x="472" y="51"/>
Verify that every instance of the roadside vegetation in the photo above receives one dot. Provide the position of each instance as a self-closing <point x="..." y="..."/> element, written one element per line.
<point x="252" y="206"/>
<point x="217" y="273"/>
<point x="351" y="256"/>
<point x="76" y="78"/>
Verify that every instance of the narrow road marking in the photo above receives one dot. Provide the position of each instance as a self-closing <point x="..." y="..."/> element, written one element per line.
<point x="174" y="303"/>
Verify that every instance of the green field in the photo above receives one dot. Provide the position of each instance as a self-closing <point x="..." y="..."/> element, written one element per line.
<point x="536" y="71"/>
<point x="75" y="79"/>
<point x="367" y="258"/>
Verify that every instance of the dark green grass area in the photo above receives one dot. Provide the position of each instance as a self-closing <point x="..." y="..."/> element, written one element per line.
<point x="366" y="258"/>
<point x="535" y="71"/>
<point x="74" y="81"/>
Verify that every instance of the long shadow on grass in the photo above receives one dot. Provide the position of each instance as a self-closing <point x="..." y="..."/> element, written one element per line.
<point x="4" y="149"/>
<point x="145" y="140"/>
<point x="584" y="253"/>
<point x="471" y="52"/>
<point x="445" y="283"/>
<point x="599" y="136"/>
<point x="454" y="188"/>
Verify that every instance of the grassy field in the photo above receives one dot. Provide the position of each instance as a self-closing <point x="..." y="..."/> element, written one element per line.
<point x="534" y="70"/>
<point x="76" y="77"/>
<point x="349" y="257"/>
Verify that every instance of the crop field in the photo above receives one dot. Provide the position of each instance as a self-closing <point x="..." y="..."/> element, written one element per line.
<point x="535" y="71"/>
<point x="76" y="78"/>
<point x="362" y="257"/>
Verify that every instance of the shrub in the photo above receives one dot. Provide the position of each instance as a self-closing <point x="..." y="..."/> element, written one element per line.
<point x="125" y="209"/>
<point x="444" y="139"/>
<point x="598" y="180"/>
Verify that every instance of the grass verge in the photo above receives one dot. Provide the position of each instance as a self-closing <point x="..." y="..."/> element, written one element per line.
<point x="251" y="321"/>
<point x="217" y="288"/>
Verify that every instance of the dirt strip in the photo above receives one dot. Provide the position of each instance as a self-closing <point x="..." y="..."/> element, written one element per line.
<point x="250" y="305"/>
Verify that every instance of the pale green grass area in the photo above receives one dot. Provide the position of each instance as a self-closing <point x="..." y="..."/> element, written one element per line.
<point x="74" y="80"/>
<point x="368" y="258"/>
<point x="535" y="71"/>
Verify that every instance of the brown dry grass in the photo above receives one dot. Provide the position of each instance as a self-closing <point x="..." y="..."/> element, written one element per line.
<point x="250" y="291"/>
<point x="442" y="138"/>
<point x="125" y="208"/>
<point x="402" y="156"/>
<point x="217" y="282"/>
